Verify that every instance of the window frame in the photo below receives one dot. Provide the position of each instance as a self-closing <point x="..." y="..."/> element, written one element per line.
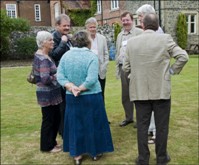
<point x="189" y="22"/>
<point x="114" y="4"/>
<point x="37" y="18"/>
<point x="99" y="6"/>
<point x="11" y="15"/>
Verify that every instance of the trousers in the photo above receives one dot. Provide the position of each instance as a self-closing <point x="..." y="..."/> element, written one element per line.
<point x="127" y="104"/>
<point x="144" y="110"/>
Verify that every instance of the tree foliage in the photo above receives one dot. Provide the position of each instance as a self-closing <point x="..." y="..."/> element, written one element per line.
<point x="117" y="30"/>
<point x="9" y="25"/>
<point x="181" y="31"/>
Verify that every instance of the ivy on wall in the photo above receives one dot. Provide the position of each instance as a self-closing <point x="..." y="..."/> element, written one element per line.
<point x="93" y="8"/>
<point x="79" y="16"/>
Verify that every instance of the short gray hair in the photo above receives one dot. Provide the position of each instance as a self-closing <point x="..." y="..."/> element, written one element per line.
<point x="42" y="37"/>
<point x="81" y="39"/>
<point x="59" y="18"/>
<point x="145" y="9"/>
<point x="91" y="20"/>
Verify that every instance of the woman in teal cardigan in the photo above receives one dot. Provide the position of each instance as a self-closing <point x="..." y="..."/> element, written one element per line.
<point x="86" y="128"/>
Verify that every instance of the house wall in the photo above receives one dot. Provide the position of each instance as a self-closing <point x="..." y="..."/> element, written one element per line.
<point x="25" y="9"/>
<point x="171" y="10"/>
<point x="110" y="16"/>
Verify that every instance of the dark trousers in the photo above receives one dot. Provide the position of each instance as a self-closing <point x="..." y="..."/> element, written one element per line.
<point x="102" y="83"/>
<point x="127" y="104"/>
<point x="62" y="112"/>
<point x="49" y="127"/>
<point x="161" y="110"/>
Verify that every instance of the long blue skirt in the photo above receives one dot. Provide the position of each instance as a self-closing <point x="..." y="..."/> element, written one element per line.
<point x="86" y="127"/>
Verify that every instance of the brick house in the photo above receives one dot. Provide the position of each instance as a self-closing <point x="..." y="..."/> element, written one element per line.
<point x="108" y="12"/>
<point x="41" y="12"/>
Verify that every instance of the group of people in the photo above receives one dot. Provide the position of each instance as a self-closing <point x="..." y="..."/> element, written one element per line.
<point x="71" y="76"/>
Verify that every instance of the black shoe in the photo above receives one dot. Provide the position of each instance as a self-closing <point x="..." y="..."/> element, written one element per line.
<point x="165" y="163"/>
<point x="138" y="163"/>
<point x="124" y="123"/>
<point x="97" y="157"/>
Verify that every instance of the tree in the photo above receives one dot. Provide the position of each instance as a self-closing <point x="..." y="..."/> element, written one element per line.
<point x="181" y="31"/>
<point x="117" y="30"/>
<point x="9" y="25"/>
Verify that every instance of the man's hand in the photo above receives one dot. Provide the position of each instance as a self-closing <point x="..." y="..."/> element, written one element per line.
<point x="64" y="38"/>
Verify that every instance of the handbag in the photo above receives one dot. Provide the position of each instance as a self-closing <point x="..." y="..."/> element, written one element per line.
<point x="31" y="77"/>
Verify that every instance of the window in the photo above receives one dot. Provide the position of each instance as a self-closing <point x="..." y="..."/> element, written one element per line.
<point x="136" y="20"/>
<point x="37" y="12"/>
<point x="99" y="6"/>
<point x="191" y="23"/>
<point x="114" y="4"/>
<point x="57" y="10"/>
<point x="11" y="10"/>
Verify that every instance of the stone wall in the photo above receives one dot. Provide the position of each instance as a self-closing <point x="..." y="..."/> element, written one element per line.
<point x="106" y="30"/>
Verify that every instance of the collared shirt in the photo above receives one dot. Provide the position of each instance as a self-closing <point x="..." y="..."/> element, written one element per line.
<point x="94" y="46"/>
<point x="125" y="37"/>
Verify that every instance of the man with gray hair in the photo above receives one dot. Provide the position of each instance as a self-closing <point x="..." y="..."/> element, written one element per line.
<point x="146" y="9"/>
<point x="99" y="47"/>
<point x="148" y="62"/>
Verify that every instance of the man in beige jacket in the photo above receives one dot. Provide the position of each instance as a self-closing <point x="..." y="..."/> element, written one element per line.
<point x="99" y="47"/>
<point x="128" y="32"/>
<point x="148" y="62"/>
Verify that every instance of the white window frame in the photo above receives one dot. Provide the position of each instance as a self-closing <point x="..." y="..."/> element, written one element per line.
<point x="136" y="20"/>
<point x="114" y="4"/>
<point x="193" y="23"/>
<point x="11" y="10"/>
<point x="99" y="6"/>
<point x="37" y="12"/>
<point x="57" y="9"/>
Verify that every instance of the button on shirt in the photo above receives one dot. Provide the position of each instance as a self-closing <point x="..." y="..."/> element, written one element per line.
<point x="94" y="47"/>
<point x="125" y="37"/>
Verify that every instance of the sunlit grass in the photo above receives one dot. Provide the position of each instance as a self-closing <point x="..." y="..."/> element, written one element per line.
<point x="21" y="120"/>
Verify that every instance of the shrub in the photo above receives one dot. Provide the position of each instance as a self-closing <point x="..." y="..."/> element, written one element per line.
<point x="25" y="48"/>
<point x="9" y="25"/>
<point x="117" y="30"/>
<point x="181" y="31"/>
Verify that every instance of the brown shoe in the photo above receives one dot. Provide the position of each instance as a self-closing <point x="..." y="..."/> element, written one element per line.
<point x="55" y="150"/>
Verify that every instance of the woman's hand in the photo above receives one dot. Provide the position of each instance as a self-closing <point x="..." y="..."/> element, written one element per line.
<point x="75" y="90"/>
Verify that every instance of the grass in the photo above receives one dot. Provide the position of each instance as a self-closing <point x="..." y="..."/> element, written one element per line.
<point x="21" y="120"/>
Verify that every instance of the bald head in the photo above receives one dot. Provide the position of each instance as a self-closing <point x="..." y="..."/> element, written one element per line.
<point x="150" y="21"/>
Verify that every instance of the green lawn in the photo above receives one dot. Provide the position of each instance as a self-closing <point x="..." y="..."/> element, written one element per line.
<point x="21" y="120"/>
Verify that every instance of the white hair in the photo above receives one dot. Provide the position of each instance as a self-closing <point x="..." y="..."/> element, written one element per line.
<point x="42" y="37"/>
<point x="91" y="20"/>
<point x="145" y="9"/>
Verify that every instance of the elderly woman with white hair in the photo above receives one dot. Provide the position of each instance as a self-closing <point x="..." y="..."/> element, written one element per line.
<point x="48" y="92"/>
